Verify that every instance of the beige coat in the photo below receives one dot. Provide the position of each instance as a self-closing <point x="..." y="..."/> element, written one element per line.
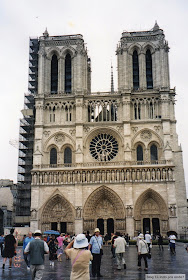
<point x="142" y="247"/>
<point x="80" y="269"/>
<point x="120" y="244"/>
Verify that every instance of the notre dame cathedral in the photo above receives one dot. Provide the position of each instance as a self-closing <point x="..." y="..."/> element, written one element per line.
<point x="103" y="159"/>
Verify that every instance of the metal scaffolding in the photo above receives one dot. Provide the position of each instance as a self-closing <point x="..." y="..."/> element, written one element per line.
<point x="26" y="135"/>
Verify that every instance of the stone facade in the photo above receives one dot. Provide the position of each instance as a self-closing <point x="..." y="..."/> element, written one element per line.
<point x="107" y="159"/>
<point x="6" y="204"/>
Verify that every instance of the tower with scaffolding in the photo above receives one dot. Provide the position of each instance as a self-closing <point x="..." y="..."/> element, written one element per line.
<point x="26" y="138"/>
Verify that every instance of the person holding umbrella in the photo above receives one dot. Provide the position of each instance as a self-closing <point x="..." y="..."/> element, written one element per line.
<point x="53" y="246"/>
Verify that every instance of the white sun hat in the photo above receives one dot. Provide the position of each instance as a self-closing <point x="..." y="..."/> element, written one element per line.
<point x="141" y="236"/>
<point x="80" y="241"/>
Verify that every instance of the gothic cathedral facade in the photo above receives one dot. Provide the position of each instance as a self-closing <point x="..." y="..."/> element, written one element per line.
<point x="106" y="159"/>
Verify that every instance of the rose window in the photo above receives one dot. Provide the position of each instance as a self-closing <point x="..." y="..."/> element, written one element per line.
<point x="103" y="147"/>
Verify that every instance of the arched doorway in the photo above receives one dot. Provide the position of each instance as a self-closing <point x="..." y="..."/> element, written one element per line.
<point x="57" y="214"/>
<point x="110" y="226"/>
<point x="104" y="209"/>
<point x="151" y="213"/>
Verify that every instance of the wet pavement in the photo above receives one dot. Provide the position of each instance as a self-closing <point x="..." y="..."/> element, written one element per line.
<point x="160" y="263"/>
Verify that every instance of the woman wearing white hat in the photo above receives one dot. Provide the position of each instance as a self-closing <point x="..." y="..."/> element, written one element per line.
<point x="142" y="251"/>
<point x="80" y="257"/>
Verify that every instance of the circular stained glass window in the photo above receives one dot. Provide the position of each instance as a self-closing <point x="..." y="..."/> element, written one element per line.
<point x="103" y="147"/>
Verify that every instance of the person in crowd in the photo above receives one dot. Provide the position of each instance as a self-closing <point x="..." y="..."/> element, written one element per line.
<point x="66" y="242"/>
<point x="127" y="238"/>
<point x="60" y="247"/>
<point x="2" y="239"/>
<point x="27" y="239"/>
<point x="96" y="245"/>
<point x="106" y="238"/>
<point x="9" y="248"/>
<point x="148" y="239"/>
<point x="36" y="249"/>
<point x="80" y="257"/>
<point x="160" y="242"/>
<point x="137" y="240"/>
<point x="119" y="245"/>
<point x="53" y="246"/>
<point x="142" y="252"/>
<point x="113" y="237"/>
<point x="88" y="236"/>
<point x="172" y="239"/>
<point x="48" y="238"/>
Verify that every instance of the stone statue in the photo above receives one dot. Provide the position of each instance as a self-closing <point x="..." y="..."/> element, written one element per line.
<point x="78" y="212"/>
<point x="148" y="175"/>
<point x="33" y="214"/>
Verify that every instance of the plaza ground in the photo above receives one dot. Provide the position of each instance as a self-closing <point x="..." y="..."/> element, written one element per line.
<point x="160" y="263"/>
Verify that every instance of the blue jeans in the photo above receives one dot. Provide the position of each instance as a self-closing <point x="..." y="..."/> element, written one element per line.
<point x="27" y="259"/>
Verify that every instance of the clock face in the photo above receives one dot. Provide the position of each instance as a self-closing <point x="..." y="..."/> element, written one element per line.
<point x="103" y="147"/>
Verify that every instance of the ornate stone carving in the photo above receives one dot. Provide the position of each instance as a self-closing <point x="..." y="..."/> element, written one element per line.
<point x="46" y="133"/>
<point x="167" y="147"/>
<point x="153" y="174"/>
<point x="129" y="210"/>
<point x="135" y="129"/>
<point x="86" y="129"/>
<point x="172" y="210"/>
<point x="146" y="135"/>
<point x="138" y="226"/>
<point x="33" y="214"/>
<point x="157" y="128"/>
<point x="78" y="212"/>
<point x="120" y="128"/>
<point x="120" y="224"/>
<point x="127" y="148"/>
<point x="72" y="131"/>
<point x="165" y="226"/>
<point x="59" y="138"/>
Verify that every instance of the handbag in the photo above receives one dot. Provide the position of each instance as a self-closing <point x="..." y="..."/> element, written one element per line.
<point x="101" y="250"/>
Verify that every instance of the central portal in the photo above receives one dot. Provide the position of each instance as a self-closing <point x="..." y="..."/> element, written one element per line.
<point x="104" y="209"/>
<point x="106" y="226"/>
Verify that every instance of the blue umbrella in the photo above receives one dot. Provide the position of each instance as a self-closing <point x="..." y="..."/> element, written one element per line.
<point x="51" y="232"/>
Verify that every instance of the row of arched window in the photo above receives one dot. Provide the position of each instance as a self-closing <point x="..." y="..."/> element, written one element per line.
<point x="67" y="156"/>
<point x="153" y="153"/>
<point x="139" y="154"/>
<point x="149" y="76"/>
<point x="54" y="74"/>
<point x="67" y="114"/>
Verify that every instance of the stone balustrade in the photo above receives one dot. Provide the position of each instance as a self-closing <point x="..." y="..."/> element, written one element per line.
<point x="111" y="175"/>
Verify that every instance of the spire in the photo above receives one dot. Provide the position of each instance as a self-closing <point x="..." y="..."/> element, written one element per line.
<point x="46" y="34"/>
<point x="156" y="26"/>
<point x="112" y="79"/>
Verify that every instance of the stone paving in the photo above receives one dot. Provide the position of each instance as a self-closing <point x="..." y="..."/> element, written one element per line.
<point x="161" y="262"/>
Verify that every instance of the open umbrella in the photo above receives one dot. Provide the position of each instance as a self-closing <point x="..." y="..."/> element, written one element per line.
<point x="51" y="232"/>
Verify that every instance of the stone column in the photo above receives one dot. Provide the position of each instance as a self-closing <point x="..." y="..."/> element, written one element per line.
<point x="142" y="71"/>
<point x="61" y="75"/>
<point x="41" y="70"/>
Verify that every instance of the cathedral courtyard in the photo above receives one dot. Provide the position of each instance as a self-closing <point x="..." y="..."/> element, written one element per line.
<point x="160" y="263"/>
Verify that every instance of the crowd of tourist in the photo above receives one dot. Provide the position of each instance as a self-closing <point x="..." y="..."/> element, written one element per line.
<point x="82" y="250"/>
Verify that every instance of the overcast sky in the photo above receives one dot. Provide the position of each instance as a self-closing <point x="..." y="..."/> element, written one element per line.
<point x="101" y="23"/>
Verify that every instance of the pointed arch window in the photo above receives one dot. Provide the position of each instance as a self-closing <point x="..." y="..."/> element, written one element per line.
<point x="149" y="75"/>
<point x="67" y="156"/>
<point x="135" y="70"/>
<point x="154" y="152"/>
<point x="139" y="153"/>
<point x="54" y="74"/>
<point x="53" y="156"/>
<point x="68" y="73"/>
